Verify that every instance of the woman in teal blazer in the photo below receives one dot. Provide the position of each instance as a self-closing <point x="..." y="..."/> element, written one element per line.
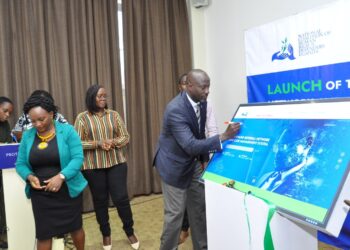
<point x="49" y="160"/>
<point x="71" y="157"/>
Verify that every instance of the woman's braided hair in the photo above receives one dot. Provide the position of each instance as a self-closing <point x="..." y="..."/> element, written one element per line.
<point x="44" y="102"/>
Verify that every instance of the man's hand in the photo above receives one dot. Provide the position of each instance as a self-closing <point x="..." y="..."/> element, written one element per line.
<point x="231" y="131"/>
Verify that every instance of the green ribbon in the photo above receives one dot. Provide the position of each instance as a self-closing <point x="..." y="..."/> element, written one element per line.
<point x="268" y="242"/>
<point x="247" y="219"/>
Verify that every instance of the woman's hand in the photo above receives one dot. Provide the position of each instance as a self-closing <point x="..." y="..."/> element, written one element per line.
<point x="106" y="144"/>
<point x="54" y="184"/>
<point x="34" y="182"/>
<point x="110" y="143"/>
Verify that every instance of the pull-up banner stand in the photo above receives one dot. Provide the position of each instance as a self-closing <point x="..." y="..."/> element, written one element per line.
<point x="305" y="56"/>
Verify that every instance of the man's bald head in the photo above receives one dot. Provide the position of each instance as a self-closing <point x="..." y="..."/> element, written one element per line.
<point x="198" y="83"/>
<point x="197" y="76"/>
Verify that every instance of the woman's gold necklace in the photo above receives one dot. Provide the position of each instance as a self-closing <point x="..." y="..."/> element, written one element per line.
<point x="43" y="144"/>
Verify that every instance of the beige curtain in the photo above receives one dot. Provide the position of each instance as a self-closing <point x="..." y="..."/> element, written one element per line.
<point x="62" y="46"/>
<point x="157" y="51"/>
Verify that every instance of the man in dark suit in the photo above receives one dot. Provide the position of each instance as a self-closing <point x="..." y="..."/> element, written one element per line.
<point x="181" y="149"/>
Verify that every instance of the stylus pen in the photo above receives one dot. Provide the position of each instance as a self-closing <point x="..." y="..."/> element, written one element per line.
<point x="233" y="123"/>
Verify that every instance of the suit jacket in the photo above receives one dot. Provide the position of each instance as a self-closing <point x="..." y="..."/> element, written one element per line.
<point x="71" y="157"/>
<point x="181" y="143"/>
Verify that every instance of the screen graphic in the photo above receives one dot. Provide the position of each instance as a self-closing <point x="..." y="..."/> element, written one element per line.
<point x="294" y="155"/>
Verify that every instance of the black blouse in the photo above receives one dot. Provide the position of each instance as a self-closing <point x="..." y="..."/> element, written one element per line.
<point x="5" y="132"/>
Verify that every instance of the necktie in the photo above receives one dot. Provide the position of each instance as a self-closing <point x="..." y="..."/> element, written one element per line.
<point x="198" y="114"/>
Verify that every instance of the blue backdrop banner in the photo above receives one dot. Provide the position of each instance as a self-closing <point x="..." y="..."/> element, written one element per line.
<point x="329" y="81"/>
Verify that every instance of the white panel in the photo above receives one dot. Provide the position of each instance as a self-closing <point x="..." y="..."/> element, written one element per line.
<point x="227" y="223"/>
<point x="19" y="215"/>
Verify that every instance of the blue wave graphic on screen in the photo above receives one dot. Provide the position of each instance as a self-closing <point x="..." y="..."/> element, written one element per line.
<point x="296" y="158"/>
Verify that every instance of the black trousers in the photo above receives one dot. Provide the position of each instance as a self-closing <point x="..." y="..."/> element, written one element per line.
<point x="3" y="227"/>
<point x="110" y="181"/>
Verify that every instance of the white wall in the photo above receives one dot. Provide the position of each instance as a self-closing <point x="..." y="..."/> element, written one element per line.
<point x="218" y="44"/>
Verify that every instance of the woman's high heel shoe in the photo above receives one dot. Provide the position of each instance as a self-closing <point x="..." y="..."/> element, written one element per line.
<point x="109" y="247"/>
<point x="134" y="242"/>
<point x="107" y="243"/>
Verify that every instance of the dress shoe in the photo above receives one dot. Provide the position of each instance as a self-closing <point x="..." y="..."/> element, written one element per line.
<point x="183" y="236"/>
<point x="134" y="242"/>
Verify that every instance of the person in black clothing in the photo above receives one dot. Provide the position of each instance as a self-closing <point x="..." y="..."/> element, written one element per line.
<point x="6" y="108"/>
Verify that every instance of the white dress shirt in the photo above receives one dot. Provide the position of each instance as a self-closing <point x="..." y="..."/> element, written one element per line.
<point x="211" y="127"/>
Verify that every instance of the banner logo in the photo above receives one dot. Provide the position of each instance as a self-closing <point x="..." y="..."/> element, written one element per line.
<point x="286" y="51"/>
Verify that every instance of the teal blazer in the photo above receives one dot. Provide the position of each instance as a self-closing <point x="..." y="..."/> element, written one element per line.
<point x="71" y="157"/>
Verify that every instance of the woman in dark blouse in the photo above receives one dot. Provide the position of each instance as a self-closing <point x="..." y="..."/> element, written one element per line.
<point x="6" y="108"/>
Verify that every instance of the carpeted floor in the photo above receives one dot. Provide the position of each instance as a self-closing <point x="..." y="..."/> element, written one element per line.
<point x="148" y="217"/>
